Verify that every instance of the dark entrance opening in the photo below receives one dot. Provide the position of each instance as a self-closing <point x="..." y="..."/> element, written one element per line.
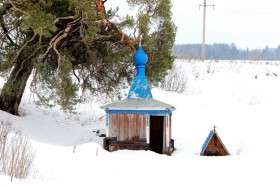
<point x="156" y="133"/>
<point x="213" y="153"/>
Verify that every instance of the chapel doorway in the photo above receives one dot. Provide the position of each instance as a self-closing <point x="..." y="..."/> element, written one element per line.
<point x="156" y="133"/>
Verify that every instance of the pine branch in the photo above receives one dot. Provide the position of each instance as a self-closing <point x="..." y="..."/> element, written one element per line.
<point x="60" y="36"/>
<point x="24" y="45"/>
<point x="112" y="26"/>
<point x="18" y="9"/>
<point x="3" y="11"/>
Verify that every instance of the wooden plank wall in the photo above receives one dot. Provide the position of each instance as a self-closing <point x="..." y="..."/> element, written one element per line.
<point x="170" y="127"/>
<point x="128" y="128"/>
<point x="215" y="144"/>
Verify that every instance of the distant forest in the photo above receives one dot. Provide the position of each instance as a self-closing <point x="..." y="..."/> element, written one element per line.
<point x="225" y="52"/>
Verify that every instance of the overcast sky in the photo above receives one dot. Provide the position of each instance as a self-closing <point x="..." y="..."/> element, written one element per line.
<point x="247" y="23"/>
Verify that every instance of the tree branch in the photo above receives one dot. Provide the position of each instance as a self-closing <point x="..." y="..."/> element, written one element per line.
<point x="18" y="9"/>
<point x="74" y="22"/>
<point x="106" y="22"/>
<point x="6" y="32"/>
<point x="56" y="40"/>
<point x="3" y="11"/>
<point x="25" y="44"/>
<point x="73" y="69"/>
<point x="121" y="34"/>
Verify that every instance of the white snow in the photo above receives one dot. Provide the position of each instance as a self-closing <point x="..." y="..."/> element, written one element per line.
<point x="241" y="98"/>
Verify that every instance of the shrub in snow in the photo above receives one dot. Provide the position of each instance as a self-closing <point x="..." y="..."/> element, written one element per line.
<point x="16" y="153"/>
<point x="175" y="80"/>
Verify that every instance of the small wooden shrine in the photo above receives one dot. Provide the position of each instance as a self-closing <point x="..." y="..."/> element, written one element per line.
<point x="139" y="122"/>
<point x="213" y="145"/>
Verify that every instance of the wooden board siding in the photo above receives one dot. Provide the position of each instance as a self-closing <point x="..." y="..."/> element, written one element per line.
<point x="113" y="125"/>
<point x="130" y="131"/>
<point x="128" y="128"/>
<point x="141" y="128"/>
<point x="215" y="148"/>
<point x="136" y="128"/>
<point x="121" y="128"/>
<point x="170" y="128"/>
<point x="164" y="136"/>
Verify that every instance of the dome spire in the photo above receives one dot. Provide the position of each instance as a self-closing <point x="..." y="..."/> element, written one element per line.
<point x="140" y="87"/>
<point x="140" y="58"/>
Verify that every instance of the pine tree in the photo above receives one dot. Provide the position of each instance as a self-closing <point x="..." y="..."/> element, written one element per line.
<point x="68" y="44"/>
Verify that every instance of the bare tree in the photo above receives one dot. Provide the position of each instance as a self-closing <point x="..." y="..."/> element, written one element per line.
<point x="16" y="153"/>
<point x="176" y="79"/>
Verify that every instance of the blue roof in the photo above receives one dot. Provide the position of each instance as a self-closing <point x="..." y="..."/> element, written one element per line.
<point x="207" y="141"/>
<point x="140" y="87"/>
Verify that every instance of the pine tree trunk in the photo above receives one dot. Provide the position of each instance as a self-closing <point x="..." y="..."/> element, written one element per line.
<point x="13" y="89"/>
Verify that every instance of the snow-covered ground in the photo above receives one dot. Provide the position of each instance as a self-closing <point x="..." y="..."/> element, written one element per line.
<point x="241" y="98"/>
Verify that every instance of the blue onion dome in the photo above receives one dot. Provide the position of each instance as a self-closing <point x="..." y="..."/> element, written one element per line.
<point x="140" y="57"/>
<point x="140" y="87"/>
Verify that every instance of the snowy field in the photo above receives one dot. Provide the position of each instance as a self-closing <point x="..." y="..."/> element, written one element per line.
<point x="241" y="98"/>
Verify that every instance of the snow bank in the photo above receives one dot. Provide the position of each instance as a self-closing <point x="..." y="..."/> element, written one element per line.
<point x="240" y="98"/>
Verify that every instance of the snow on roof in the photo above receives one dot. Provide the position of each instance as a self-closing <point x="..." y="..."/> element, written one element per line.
<point x="138" y="104"/>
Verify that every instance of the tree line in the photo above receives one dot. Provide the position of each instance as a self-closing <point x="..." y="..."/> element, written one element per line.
<point x="223" y="51"/>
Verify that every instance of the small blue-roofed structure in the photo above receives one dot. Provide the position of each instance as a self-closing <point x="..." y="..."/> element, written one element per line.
<point x="139" y="121"/>
<point x="213" y="145"/>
